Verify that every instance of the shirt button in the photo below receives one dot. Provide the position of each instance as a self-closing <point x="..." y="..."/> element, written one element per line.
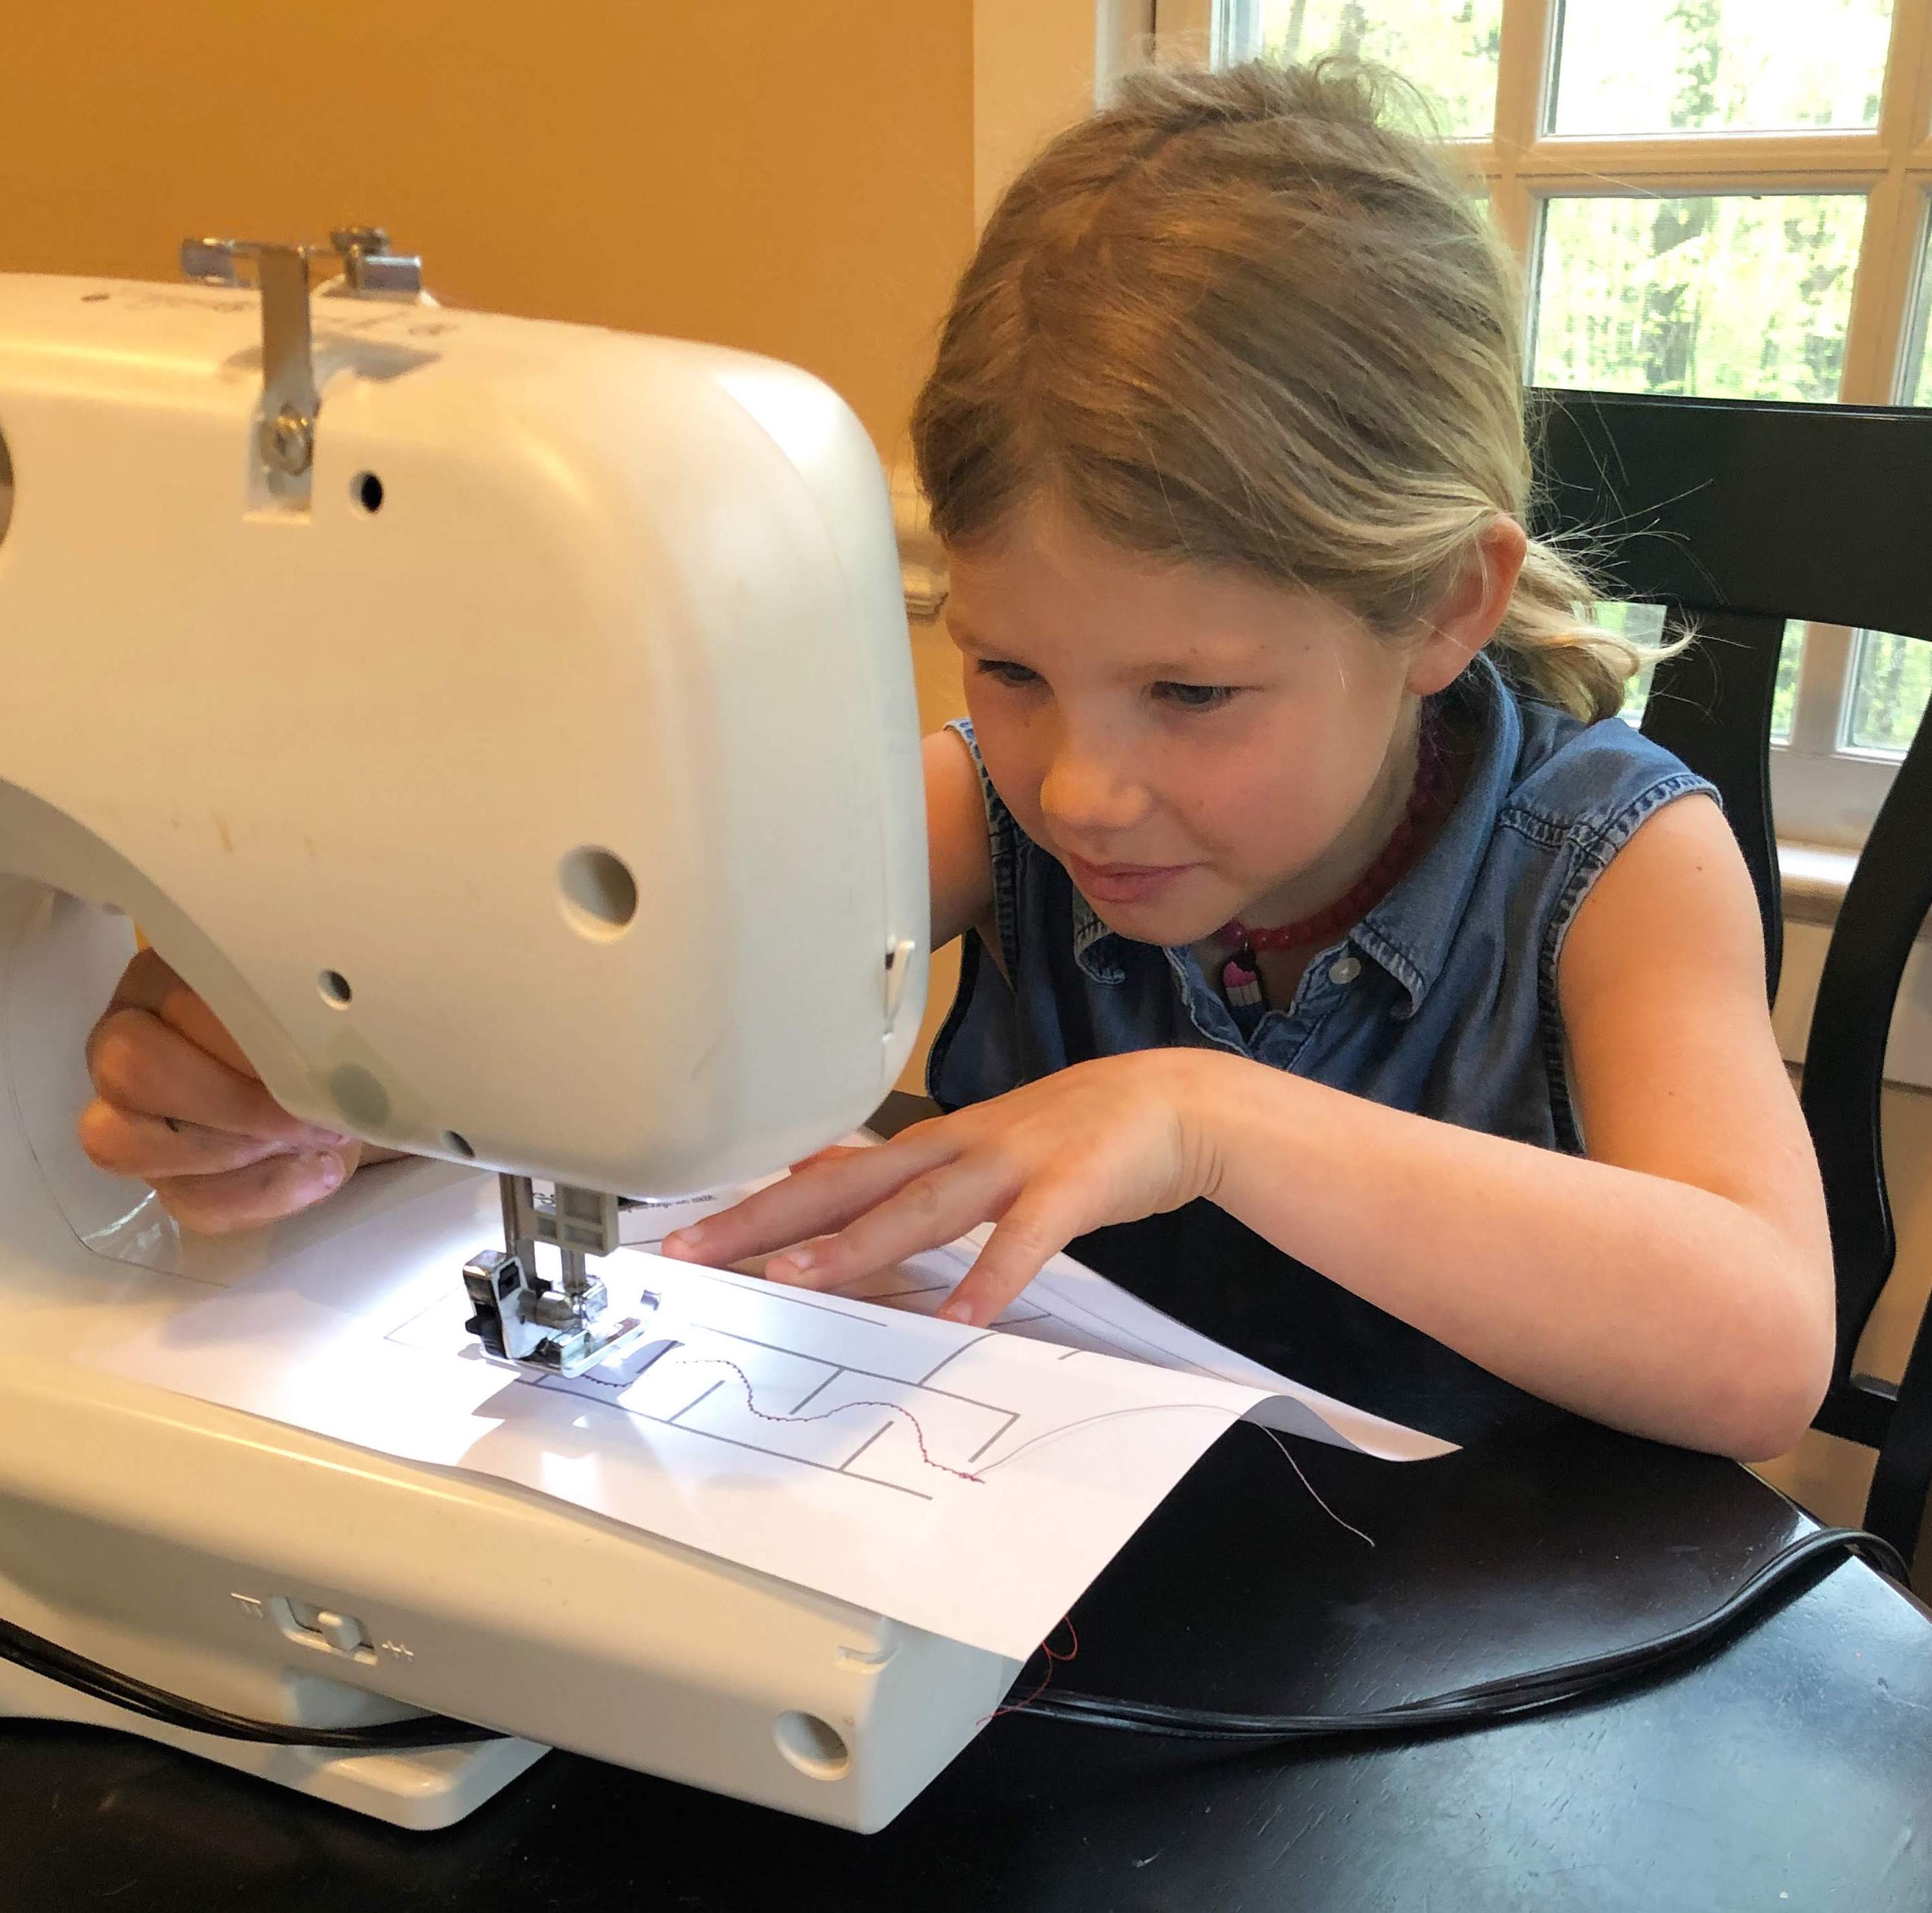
<point x="1345" y="969"/>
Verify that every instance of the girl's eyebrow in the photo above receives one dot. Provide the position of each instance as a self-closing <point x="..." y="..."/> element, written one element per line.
<point x="967" y="639"/>
<point x="1227" y="661"/>
<point x="1217" y="663"/>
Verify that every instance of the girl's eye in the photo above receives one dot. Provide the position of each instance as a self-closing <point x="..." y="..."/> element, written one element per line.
<point x="1002" y="671"/>
<point x="1195" y="697"/>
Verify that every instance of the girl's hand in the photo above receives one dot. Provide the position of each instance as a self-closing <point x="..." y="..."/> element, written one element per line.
<point x="177" y="1105"/>
<point x="1107" y="1141"/>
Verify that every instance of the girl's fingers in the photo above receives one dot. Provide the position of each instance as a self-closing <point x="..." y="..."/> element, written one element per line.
<point x="141" y="1064"/>
<point x="149" y="983"/>
<point x="1043" y="1220"/>
<point x="831" y="1152"/>
<point x="816" y="1201"/>
<point x="264" y="1191"/>
<point x="125" y="1143"/>
<point x="932" y="1208"/>
<point x="178" y="1105"/>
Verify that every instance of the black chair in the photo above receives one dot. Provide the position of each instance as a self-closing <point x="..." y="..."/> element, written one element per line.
<point x="1737" y="516"/>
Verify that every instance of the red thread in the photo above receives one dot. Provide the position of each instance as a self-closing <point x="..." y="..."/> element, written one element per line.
<point x="891" y="1408"/>
<point x="1053" y="1660"/>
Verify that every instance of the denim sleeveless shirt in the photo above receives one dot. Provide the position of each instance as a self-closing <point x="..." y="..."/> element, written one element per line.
<point x="1442" y="1001"/>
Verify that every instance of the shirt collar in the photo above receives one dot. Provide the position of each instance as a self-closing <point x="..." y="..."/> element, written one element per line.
<point x="1409" y="933"/>
<point x="1096" y="949"/>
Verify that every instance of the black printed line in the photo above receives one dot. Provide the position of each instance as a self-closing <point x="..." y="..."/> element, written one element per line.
<point x="992" y="1438"/>
<point x="779" y="1455"/>
<point x="775" y="1348"/>
<point x="861" y="1449"/>
<point x="1126" y="1342"/>
<point x="778" y="1294"/>
<point x="925" y="1379"/>
<point x="730" y="1441"/>
<point x="444" y="1302"/>
<point x="810" y="1392"/>
<point x="870" y="1375"/>
<point x="884" y="1295"/>
<point x="671" y="1421"/>
<point x="1107" y="1415"/>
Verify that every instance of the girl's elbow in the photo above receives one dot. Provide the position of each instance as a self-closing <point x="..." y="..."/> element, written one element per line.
<point x="1776" y="1429"/>
<point x="1791" y="1385"/>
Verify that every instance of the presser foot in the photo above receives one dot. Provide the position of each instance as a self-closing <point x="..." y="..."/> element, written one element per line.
<point x="521" y="1317"/>
<point x="587" y="1347"/>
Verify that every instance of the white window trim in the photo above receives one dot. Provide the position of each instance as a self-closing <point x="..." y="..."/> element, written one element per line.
<point x="1823" y="791"/>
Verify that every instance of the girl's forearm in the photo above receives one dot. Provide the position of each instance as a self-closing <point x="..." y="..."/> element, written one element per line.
<point x="1658" y="1306"/>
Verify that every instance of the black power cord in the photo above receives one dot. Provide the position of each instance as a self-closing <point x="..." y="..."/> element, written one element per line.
<point x="1486" y="1702"/>
<point x="1483" y="1705"/>
<point x="40" y="1656"/>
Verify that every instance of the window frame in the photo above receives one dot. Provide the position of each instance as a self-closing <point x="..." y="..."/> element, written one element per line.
<point x="1824" y="790"/>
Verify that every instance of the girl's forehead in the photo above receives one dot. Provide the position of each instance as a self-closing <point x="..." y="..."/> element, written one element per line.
<point x="1046" y="584"/>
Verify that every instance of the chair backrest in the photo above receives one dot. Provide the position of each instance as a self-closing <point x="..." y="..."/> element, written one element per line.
<point x="1736" y="516"/>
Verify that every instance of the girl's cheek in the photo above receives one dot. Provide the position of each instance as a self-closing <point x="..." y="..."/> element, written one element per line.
<point x="1264" y="813"/>
<point x="1252" y="775"/>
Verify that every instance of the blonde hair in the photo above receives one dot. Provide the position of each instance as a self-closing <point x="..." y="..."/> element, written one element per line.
<point x="1240" y="318"/>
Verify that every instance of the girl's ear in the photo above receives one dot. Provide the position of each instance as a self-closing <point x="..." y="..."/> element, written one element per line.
<point x="1470" y="611"/>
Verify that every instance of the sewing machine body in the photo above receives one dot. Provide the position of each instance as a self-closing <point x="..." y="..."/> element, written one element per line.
<point x="621" y="598"/>
<point x="561" y="813"/>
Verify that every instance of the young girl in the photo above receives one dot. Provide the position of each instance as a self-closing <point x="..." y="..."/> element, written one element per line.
<point x="1313" y="897"/>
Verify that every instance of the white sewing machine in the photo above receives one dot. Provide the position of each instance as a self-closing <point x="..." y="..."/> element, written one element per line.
<point x="508" y="727"/>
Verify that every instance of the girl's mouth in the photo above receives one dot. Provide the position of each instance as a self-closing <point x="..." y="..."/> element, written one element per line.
<point x="1120" y="882"/>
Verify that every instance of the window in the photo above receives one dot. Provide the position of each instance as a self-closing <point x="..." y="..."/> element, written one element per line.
<point x="1716" y="197"/>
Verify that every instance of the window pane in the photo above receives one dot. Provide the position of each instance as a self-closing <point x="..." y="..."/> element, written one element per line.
<point x="1650" y="66"/>
<point x="1447" y="48"/>
<point x="1891" y="683"/>
<point x="1784" y="694"/>
<point x="1916" y="383"/>
<point x="1645" y="622"/>
<point x="1732" y="296"/>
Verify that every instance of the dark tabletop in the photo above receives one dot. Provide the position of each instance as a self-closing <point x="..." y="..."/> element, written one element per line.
<point x="1795" y="1762"/>
<point x="1792" y="1768"/>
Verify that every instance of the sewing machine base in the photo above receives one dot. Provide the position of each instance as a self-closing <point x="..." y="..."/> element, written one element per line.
<point x="252" y="1566"/>
<point x="422" y="1791"/>
<point x="287" y="1578"/>
<point x="301" y="1582"/>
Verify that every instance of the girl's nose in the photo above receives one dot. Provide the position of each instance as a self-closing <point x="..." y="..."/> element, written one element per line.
<point x="1082" y="791"/>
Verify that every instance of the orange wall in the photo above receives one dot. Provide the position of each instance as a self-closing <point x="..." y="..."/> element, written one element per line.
<point x="796" y="178"/>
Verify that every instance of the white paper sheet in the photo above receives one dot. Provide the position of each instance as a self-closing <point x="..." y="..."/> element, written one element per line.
<point x="966" y="1481"/>
<point x="1073" y="1306"/>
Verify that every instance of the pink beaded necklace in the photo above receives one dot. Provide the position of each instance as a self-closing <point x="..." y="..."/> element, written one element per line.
<point x="1240" y="977"/>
